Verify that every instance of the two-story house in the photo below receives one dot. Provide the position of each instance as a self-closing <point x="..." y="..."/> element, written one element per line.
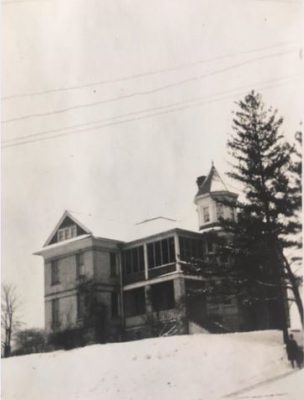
<point x="139" y="280"/>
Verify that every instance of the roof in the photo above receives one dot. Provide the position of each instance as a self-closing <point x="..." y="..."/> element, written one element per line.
<point x="213" y="183"/>
<point x="101" y="227"/>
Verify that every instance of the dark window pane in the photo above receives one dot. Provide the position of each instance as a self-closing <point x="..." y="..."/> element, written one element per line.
<point x="151" y="261"/>
<point x="157" y="246"/>
<point x="80" y="306"/>
<point x="55" y="313"/>
<point x="128" y="262"/>
<point x="114" y="302"/>
<point x="113" y="270"/>
<point x="162" y="296"/>
<point x="171" y="250"/>
<point x="134" y="302"/>
<point x="141" y="258"/>
<point x="134" y="260"/>
<point x="54" y="272"/>
<point x="165" y="251"/>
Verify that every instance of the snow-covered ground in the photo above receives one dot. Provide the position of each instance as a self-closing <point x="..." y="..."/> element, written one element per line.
<point x="198" y="367"/>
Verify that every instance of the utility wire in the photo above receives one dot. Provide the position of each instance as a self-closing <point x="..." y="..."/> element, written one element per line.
<point x="5" y="3"/>
<point x="146" y="110"/>
<point x="151" y="115"/>
<point x="144" y="74"/>
<point x="147" y="92"/>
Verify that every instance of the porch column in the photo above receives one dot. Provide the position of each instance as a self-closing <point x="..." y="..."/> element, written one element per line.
<point x="177" y="253"/>
<point x="180" y="304"/>
<point x="146" y="261"/>
<point x="148" y="299"/>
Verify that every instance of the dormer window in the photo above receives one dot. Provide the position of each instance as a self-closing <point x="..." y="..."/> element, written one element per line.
<point x="66" y="233"/>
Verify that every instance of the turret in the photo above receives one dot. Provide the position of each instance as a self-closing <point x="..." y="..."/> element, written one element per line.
<point x="214" y="201"/>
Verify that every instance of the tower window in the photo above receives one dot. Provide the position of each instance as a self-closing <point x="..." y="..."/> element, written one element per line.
<point x="219" y="210"/>
<point x="206" y="214"/>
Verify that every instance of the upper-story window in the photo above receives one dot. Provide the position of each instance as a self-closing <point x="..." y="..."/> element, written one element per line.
<point x="206" y="214"/>
<point x="191" y="248"/>
<point x="79" y="265"/>
<point x="133" y="260"/>
<point x="54" y="272"/>
<point x="161" y="252"/>
<point x="113" y="266"/>
<point x="66" y="233"/>
<point x="219" y="210"/>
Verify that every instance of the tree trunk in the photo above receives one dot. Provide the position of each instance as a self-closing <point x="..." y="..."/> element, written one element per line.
<point x="294" y="286"/>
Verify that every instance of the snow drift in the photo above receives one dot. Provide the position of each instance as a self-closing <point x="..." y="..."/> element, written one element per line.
<point x="181" y="368"/>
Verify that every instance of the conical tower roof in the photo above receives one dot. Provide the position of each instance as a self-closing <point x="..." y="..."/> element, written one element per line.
<point x="212" y="183"/>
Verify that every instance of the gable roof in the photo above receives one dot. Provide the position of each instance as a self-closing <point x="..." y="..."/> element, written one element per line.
<point x="212" y="183"/>
<point x="65" y="215"/>
<point x="101" y="227"/>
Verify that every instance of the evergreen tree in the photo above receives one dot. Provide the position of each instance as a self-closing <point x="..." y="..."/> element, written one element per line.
<point x="262" y="162"/>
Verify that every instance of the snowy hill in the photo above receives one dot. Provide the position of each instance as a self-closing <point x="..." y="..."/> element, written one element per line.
<point x="180" y="368"/>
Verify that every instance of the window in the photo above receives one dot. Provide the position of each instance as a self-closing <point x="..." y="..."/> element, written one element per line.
<point x="161" y="252"/>
<point x="191" y="248"/>
<point x="210" y="246"/>
<point x="79" y="265"/>
<point x="113" y="270"/>
<point x="54" y="272"/>
<point x="133" y="260"/>
<point x="55" y="313"/>
<point x="134" y="301"/>
<point x="114" y="303"/>
<point x="162" y="296"/>
<point x="80" y="306"/>
<point x="66" y="233"/>
<point x="206" y="214"/>
<point x="219" y="210"/>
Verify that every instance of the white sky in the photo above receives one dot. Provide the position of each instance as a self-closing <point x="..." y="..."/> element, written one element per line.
<point x="145" y="167"/>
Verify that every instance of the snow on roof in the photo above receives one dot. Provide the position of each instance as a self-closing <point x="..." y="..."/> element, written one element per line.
<point x="63" y="242"/>
<point x="108" y="228"/>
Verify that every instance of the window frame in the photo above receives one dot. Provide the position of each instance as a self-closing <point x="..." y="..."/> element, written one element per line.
<point x="80" y="265"/>
<point x="66" y="233"/>
<point x="219" y="210"/>
<point x="206" y="214"/>
<point x="55" y="273"/>
<point x="113" y="264"/>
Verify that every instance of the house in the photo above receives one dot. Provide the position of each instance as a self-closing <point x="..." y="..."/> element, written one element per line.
<point x="137" y="284"/>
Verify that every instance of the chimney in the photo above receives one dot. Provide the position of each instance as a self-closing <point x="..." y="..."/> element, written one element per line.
<point x="200" y="180"/>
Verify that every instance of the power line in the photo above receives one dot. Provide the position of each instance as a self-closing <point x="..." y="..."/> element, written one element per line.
<point x="146" y="92"/>
<point x="96" y="122"/>
<point x="130" y="119"/>
<point x="5" y="3"/>
<point x="144" y="74"/>
<point x="279" y="1"/>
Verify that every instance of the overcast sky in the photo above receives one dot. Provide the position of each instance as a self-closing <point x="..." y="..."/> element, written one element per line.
<point x="78" y="62"/>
